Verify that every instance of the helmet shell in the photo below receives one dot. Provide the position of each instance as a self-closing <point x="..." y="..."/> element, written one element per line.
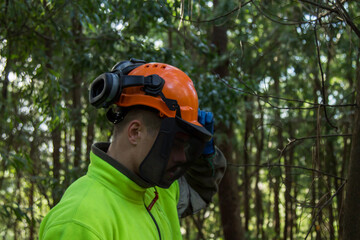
<point x="178" y="86"/>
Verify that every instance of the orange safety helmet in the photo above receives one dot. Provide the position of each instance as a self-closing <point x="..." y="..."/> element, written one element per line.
<point x="164" y="88"/>
<point x="178" y="86"/>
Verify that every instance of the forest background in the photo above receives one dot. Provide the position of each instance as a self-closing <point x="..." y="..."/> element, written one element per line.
<point x="282" y="78"/>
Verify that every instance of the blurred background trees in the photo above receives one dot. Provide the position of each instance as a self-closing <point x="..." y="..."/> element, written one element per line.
<point x="282" y="78"/>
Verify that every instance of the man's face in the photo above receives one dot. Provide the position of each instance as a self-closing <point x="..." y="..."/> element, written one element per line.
<point x="177" y="156"/>
<point x="170" y="153"/>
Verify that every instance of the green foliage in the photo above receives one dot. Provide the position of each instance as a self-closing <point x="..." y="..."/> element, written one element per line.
<point x="46" y="44"/>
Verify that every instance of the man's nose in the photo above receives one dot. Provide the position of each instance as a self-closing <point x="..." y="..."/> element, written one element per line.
<point x="179" y="155"/>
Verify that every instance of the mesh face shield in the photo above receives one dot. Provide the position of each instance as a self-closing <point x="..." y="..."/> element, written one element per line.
<point x="177" y="146"/>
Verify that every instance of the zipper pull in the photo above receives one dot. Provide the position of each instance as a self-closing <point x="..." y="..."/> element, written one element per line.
<point x="153" y="201"/>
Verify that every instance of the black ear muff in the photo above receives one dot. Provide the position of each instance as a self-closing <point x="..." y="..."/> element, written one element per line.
<point x="105" y="90"/>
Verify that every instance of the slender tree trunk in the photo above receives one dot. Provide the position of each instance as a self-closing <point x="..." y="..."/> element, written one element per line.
<point x="330" y="166"/>
<point x="315" y="158"/>
<point x="347" y="148"/>
<point x="66" y="158"/>
<point x="330" y="163"/>
<point x="351" y="224"/>
<point x="258" y="195"/>
<point x="18" y="201"/>
<point x="34" y="173"/>
<point x="4" y="96"/>
<point x="31" y="206"/>
<point x="76" y="93"/>
<point x="317" y="190"/>
<point x="229" y="199"/>
<point x="89" y="139"/>
<point x="290" y="205"/>
<point x="247" y="150"/>
<point x="56" y="141"/>
<point x="229" y="196"/>
<point x="90" y="135"/>
<point x="340" y="197"/>
<point x="56" y="130"/>
<point x="278" y="171"/>
<point x="5" y="77"/>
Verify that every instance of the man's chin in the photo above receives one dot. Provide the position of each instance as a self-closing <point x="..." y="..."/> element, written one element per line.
<point x="174" y="173"/>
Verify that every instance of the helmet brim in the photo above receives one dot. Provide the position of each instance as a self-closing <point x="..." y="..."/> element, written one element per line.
<point x="196" y="130"/>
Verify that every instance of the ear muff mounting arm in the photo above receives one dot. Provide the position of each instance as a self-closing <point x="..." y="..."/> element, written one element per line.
<point x="106" y="89"/>
<point x="153" y="84"/>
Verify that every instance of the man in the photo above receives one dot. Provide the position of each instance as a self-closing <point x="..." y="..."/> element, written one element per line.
<point x="156" y="168"/>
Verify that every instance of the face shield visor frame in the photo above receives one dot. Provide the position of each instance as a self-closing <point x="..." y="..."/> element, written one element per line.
<point x="175" y="136"/>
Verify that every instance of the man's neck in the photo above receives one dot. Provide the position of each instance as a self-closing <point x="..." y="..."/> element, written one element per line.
<point x="121" y="155"/>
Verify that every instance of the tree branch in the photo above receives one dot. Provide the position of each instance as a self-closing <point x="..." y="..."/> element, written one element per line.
<point x="263" y="97"/>
<point x="320" y="5"/>
<point x="348" y="18"/>
<point x="271" y="165"/>
<point x="322" y="79"/>
<point x="323" y="206"/>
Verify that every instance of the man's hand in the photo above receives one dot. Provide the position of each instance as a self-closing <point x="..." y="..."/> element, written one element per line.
<point x="207" y="120"/>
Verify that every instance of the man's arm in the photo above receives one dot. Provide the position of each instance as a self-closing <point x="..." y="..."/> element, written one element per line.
<point x="201" y="182"/>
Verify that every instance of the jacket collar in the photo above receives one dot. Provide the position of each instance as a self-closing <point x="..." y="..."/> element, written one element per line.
<point x="115" y="175"/>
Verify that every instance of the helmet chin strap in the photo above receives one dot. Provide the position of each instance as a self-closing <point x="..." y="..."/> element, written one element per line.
<point x="172" y="104"/>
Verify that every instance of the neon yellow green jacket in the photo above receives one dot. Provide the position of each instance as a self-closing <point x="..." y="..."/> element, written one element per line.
<point x="105" y="204"/>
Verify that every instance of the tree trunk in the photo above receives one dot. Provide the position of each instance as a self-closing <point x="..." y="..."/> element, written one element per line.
<point x="351" y="223"/>
<point x="34" y="172"/>
<point x="258" y="196"/>
<point x="76" y="93"/>
<point x="291" y="206"/>
<point x="229" y="196"/>
<point x="89" y="139"/>
<point x="90" y="135"/>
<point x="330" y="166"/>
<point x="229" y="199"/>
<point x="18" y="201"/>
<point x="331" y="163"/>
<point x="278" y="171"/>
<point x="288" y="187"/>
<point x="247" y="150"/>
<point x="4" y="95"/>
<point x="56" y="141"/>
<point x="56" y="130"/>
<point x="346" y="151"/>
<point x="67" y="143"/>
<point x="340" y="197"/>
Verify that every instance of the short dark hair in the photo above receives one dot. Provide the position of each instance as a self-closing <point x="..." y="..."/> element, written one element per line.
<point x="149" y="116"/>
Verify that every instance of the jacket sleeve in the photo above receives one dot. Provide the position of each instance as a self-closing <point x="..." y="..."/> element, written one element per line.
<point x="200" y="183"/>
<point x="69" y="230"/>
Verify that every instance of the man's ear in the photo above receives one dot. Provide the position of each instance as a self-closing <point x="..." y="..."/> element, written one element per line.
<point x="134" y="131"/>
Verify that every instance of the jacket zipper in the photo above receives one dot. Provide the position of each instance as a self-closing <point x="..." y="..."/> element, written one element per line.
<point x="148" y="209"/>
